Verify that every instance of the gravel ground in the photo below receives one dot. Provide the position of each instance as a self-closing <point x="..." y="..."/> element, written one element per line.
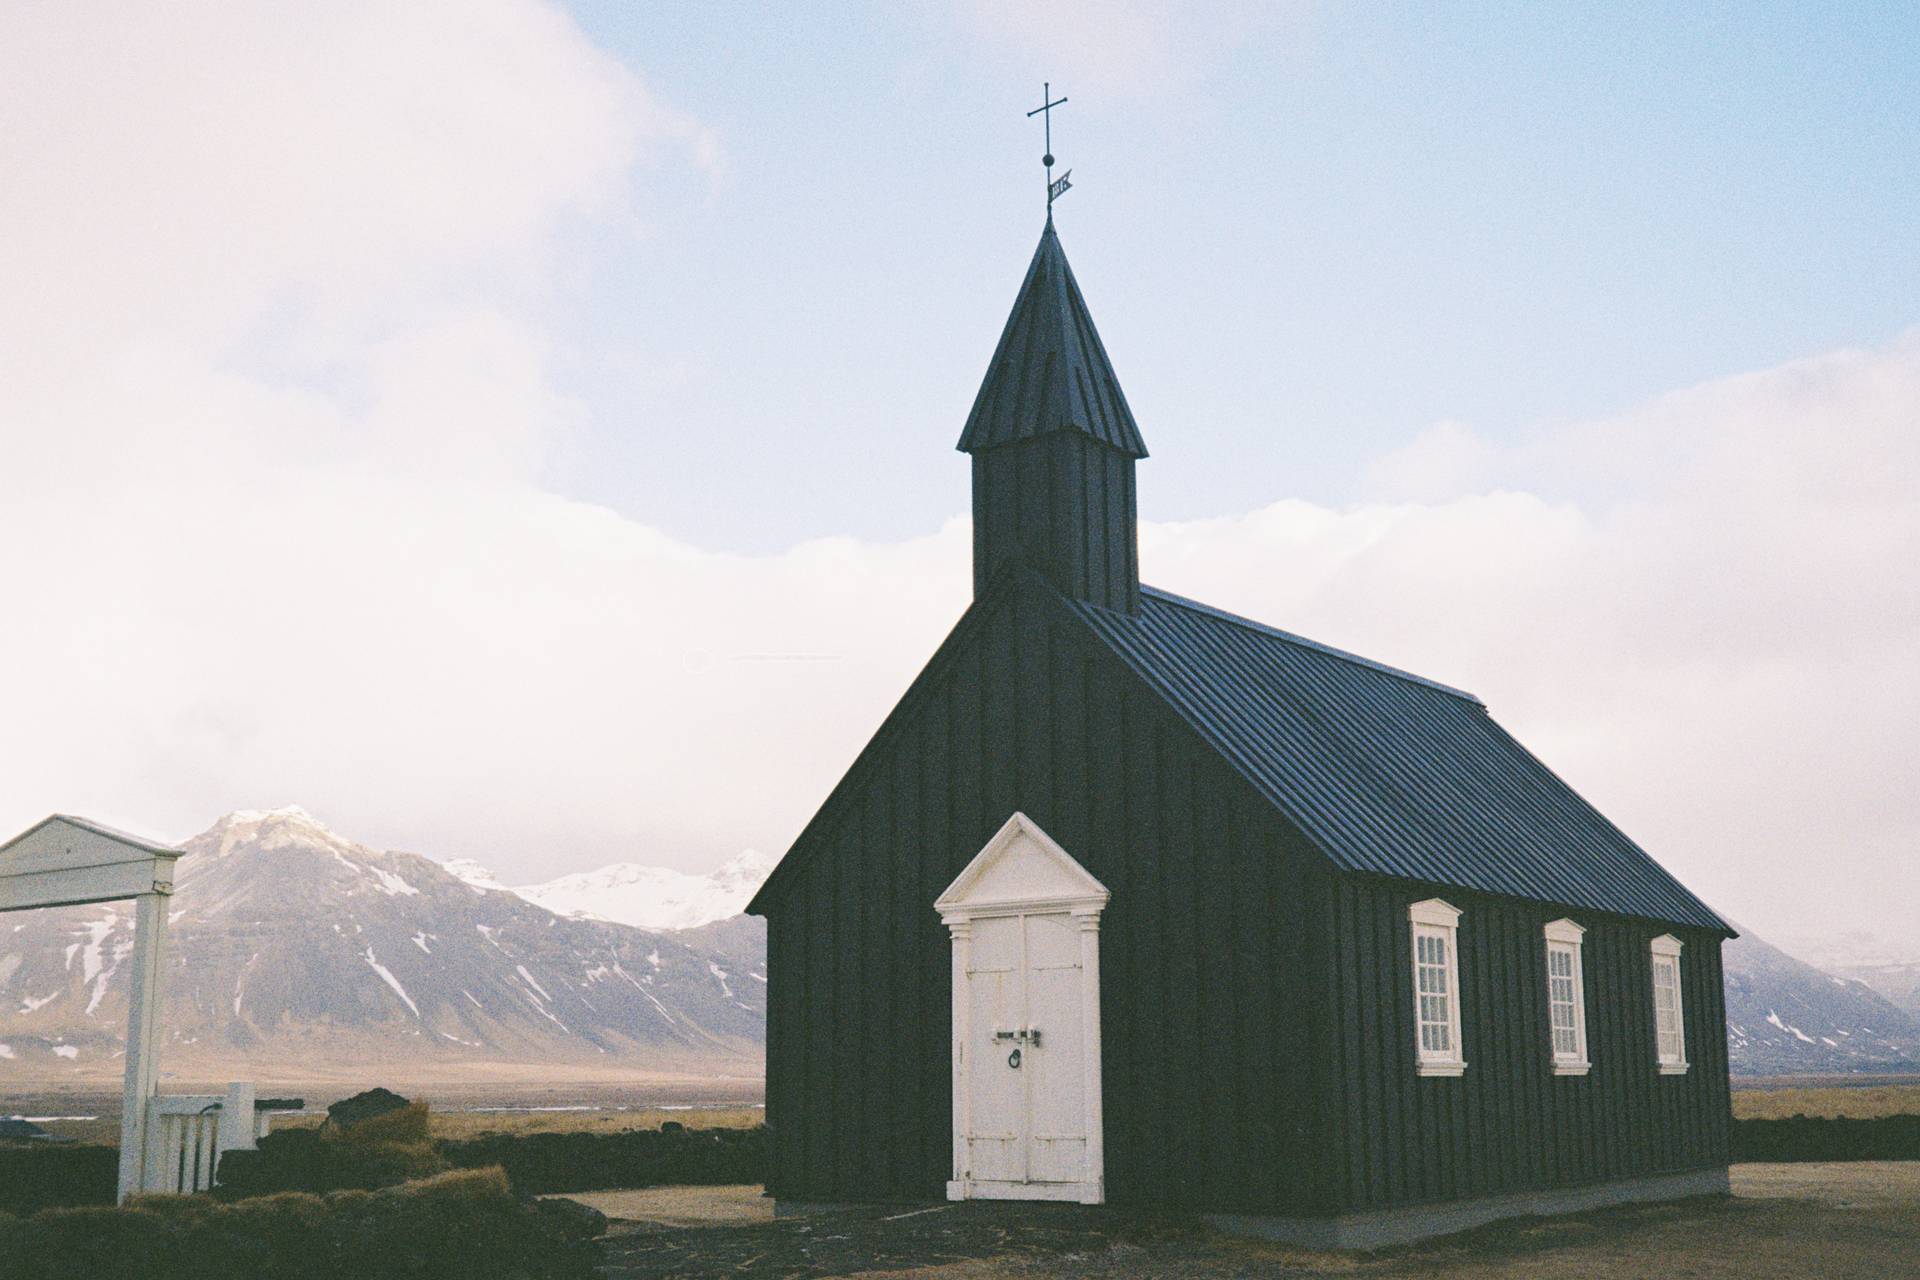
<point x="1833" y="1221"/>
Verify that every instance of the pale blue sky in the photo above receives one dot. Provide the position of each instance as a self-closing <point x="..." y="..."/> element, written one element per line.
<point x="1304" y="237"/>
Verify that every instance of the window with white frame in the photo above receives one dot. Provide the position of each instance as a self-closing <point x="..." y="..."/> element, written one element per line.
<point x="1669" y="1016"/>
<point x="1566" y="999"/>
<point x="1436" y="988"/>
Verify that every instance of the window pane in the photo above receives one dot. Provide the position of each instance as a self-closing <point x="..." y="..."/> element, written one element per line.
<point x="1666" y="1006"/>
<point x="1433" y="992"/>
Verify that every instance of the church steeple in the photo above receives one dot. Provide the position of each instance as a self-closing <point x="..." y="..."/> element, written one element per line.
<point x="1053" y="445"/>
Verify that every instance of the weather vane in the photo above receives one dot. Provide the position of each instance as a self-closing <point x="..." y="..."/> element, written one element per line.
<point x="1045" y="111"/>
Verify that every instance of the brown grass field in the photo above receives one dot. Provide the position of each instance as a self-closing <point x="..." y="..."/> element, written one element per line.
<point x="458" y="1110"/>
<point x="1820" y="1220"/>
<point x="1862" y="1103"/>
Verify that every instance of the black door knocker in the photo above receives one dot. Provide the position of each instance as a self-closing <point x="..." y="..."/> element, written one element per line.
<point x="1013" y="1059"/>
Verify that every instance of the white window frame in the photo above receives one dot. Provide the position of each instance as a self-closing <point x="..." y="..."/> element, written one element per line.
<point x="1665" y="956"/>
<point x="1564" y="937"/>
<point x="1437" y="919"/>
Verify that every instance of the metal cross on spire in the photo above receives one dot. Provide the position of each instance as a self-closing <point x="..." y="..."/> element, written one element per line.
<point x="1045" y="111"/>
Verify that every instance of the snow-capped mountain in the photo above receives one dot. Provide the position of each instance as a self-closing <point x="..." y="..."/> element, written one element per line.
<point x="1785" y="1017"/>
<point x="653" y="897"/>
<point x="1889" y="966"/>
<point x="291" y="944"/>
<point x="474" y="874"/>
<point x="1898" y="981"/>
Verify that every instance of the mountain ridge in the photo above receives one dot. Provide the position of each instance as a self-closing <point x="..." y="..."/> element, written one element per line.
<point x="291" y="942"/>
<point x="1786" y="1017"/>
<point x="294" y="944"/>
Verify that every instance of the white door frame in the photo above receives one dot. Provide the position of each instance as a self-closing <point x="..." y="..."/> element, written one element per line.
<point x="64" y="861"/>
<point x="1051" y="882"/>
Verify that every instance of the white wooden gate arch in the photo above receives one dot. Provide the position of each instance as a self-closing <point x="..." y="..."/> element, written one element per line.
<point x="166" y="1144"/>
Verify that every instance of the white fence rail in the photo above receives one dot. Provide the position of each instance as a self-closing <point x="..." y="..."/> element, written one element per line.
<point x="188" y="1133"/>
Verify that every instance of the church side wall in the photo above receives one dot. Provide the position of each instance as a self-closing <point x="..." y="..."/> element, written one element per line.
<point x="1509" y="1124"/>
<point x="1208" y="955"/>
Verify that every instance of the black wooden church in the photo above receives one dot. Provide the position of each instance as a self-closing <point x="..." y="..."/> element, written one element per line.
<point x="1132" y="900"/>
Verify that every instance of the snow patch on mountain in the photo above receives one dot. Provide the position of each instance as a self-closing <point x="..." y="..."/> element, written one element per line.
<point x="387" y="975"/>
<point x="471" y="872"/>
<point x="654" y="897"/>
<point x="1788" y="1027"/>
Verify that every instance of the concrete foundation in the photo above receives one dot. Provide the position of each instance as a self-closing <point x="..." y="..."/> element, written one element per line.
<point x="1379" y="1228"/>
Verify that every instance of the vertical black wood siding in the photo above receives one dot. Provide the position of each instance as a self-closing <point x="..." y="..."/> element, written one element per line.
<point x="1065" y="502"/>
<point x="1509" y="1124"/>
<point x="1207" y="1060"/>
<point x="1257" y="1038"/>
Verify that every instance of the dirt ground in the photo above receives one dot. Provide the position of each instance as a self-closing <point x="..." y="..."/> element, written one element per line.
<point x="1833" y="1221"/>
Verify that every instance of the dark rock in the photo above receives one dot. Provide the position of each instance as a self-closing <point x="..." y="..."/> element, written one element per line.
<point x="581" y="1221"/>
<point x="349" y="1112"/>
<point x="16" y="1128"/>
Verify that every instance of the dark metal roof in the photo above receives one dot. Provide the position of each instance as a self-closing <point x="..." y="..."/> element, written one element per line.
<point x="1386" y="772"/>
<point x="1050" y="371"/>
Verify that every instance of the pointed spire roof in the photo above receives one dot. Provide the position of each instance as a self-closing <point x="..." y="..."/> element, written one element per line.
<point x="1050" y="372"/>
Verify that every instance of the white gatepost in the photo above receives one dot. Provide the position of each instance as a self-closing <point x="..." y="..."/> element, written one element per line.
<point x="65" y="862"/>
<point x="143" y="1020"/>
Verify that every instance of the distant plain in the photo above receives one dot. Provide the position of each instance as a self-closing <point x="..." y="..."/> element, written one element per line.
<point x="459" y="1111"/>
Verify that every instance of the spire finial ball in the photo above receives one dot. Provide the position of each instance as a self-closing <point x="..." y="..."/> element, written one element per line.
<point x="1047" y="159"/>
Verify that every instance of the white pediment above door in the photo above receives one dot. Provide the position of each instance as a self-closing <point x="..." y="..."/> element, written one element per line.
<point x="1021" y="869"/>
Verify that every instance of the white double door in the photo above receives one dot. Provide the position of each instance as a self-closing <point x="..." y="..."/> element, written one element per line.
<point x="1027" y="1060"/>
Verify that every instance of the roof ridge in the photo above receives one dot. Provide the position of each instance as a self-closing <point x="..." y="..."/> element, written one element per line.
<point x="1186" y="602"/>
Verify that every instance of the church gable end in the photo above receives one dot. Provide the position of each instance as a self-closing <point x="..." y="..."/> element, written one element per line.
<point x="1024" y="712"/>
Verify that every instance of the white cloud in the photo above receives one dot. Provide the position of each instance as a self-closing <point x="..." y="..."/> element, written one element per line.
<point x="1447" y="458"/>
<point x="1721" y="656"/>
<point x="276" y="527"/>
<point x="1701" y="612"/>
<point x="190" y="165"/>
